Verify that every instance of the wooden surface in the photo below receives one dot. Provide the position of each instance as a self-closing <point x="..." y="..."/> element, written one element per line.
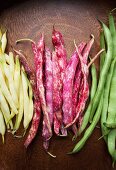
<point x="76" y="20"/>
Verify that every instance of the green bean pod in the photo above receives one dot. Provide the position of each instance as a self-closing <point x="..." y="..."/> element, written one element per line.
<point x="90" y="129"/>
<point x="113" y="33"/>
<point x="94" y="81"/>
<point x="102" y="46"/>
<point x="104" y="71"/>
<point x="110" y="125"/>
<point x="105" y="130"/>
<point x="112" y="99"/>
<point x="111" y="145"/>
<point x="92" y="93"/>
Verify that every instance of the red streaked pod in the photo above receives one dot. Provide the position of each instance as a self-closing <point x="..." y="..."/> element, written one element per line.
<point x="35" y="123"/>
<point x="57" y="96"/>
<point x="68" y="87"/>
<point x="87" y="49"/>
<point x="60" y="50"/>
<point x="58" y="42"/>
<point x="38" y="59"/>
<point x="37" y="107"/>
<point x="76" y="85"/>
<point x="49" y="96"/>
<point x="23" y="61"/>
<point x="84" y="90"/>
<point x="77" y="80"/>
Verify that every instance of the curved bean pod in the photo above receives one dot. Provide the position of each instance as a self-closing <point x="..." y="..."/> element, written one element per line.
<point x="92" y="93"/>
<point x="90" y="129"/>
<point x="107" y="91"/>
<point x="104" y="70"/>
<point x="111" y="145"/>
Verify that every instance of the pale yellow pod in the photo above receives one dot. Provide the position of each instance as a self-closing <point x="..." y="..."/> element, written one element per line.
<point x="7" y="58"/>
<point x="6" y="92"/>
<point x="31" y="107"/>
<point x="26" y="99"/>
<point x="17" y="76"/>
<point x="2" y="126"/>
<point x="4" y="42"/>
<point x="0" y="34"/>
<point x="19" y="116"/>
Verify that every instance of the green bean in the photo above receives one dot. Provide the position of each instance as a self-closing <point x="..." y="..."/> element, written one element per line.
<point x="94" y="81"/>
<point x="21" y="108"/>
<point x="104" y="71"/>
<point x="92" y="93"/>
<point x="105" y="130"/>
<point x="4" y="42"/>
<point x="111" y="145"/>
<point x="26" y="99"/>
<point x="112" y="99"/>
<point x="113" y="33"/>
<point x="6" y="92"/>
<point x="102" y="58"/>
<point x="110" y="125"/>
<point x="2" y="126"/>
<point x="90" y="129"/>
<point x="102" y="46"/>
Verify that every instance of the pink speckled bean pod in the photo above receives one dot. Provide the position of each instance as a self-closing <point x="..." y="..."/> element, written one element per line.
<point x="49" y="97"/>
<point x="58" y="42"/>
<point x="77" y="81"/>
<point x="84" y="89"/>
<point x="57" y="96"/>
<point x="38" y="58"/>
<point x="60" y="50"/>
<point x="68" y="87"/>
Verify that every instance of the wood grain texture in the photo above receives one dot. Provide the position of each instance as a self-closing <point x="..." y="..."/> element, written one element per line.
<point x="76" y="20"/>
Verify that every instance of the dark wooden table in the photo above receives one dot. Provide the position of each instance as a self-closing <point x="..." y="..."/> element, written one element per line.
<point x="76" y="20"/>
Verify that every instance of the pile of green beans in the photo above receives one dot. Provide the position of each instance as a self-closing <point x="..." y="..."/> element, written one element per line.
<point x="14" y="85"/>
<point x="103" y="96"/>
<point x="108" y="122"/>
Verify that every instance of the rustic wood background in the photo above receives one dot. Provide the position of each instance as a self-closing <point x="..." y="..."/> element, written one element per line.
<point x="76" y="20"/>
